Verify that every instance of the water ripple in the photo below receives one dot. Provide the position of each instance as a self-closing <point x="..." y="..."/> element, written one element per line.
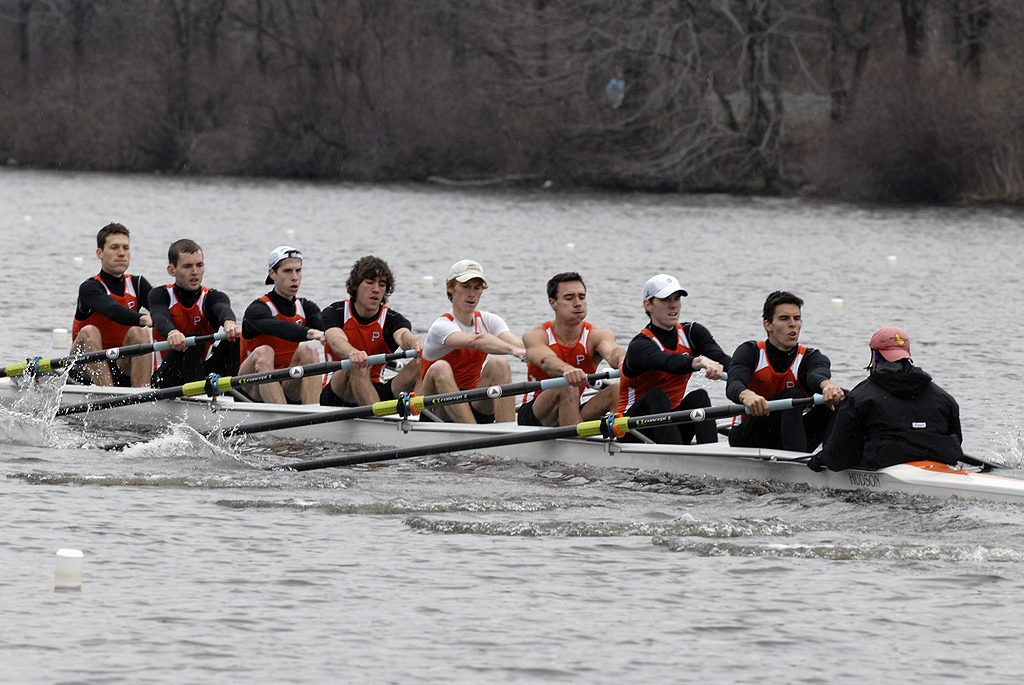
<point x="842" y="552"/>
<point x="599" y="529"/>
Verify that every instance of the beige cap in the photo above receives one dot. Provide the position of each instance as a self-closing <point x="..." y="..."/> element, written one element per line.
<point x="466" y="270"/>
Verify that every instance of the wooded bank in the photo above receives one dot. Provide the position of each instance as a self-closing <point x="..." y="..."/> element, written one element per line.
<point x="892" y="100"/>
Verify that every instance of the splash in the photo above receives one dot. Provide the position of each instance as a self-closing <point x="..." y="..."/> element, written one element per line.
<point x="30" y="419"/>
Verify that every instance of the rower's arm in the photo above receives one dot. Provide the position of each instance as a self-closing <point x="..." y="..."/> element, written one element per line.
<point x="539" y="353"/>
<point x="407" y="341"/>
<point x="606" y="348"/>
<point x="506" y="343"/>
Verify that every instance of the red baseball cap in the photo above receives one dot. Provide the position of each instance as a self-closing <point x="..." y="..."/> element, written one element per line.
<point x="892" y="343"/>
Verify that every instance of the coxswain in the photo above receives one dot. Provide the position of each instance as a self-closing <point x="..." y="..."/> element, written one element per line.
<point x="108" y="314"/>
<point x="660" y="360"/>
<point x="567" y="346"/>
<point x="895" y="415"/>
<point x="274" y="325"/>
<point x="456" y="348"/>
<point x="186" y="308"/>
<point x="776" y="368"/>
<point x="364" y="325"/>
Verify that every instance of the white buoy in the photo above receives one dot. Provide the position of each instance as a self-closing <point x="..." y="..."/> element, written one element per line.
<point x="69" y="568"/>
<point x="892" y="260"/>
<point x="290" y="234"/>
<point x="28" y="218"/>
<point x="60" y="338"/>
<point x="428" y="282"/>
<point x="570" y="247"/>
<point x="78" y="262"/>
<point x="837" y="304"/>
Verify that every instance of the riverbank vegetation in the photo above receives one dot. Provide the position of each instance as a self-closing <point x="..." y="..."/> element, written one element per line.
<point x="890" y="100"/>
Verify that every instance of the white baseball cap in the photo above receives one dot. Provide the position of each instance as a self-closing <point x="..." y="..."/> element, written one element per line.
<point x="466" y="270"/>
<point x="279" y="254"/>
<point x="661" y="286"/>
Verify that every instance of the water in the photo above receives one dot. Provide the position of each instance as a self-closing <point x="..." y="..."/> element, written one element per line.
<point x="200" y="566"/>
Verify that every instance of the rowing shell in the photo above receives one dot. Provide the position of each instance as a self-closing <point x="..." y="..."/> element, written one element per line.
<point x="715" y="460"/>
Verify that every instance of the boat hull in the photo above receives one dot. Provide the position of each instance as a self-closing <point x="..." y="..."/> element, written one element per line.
<point x="716" y="460"/>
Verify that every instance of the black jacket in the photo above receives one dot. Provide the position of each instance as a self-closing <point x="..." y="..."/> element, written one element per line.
<point x="895" y="415"/>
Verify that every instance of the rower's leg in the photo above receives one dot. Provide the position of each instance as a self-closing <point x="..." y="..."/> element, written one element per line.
<point x="440" y="379"/>
<point x="261" y="360"/>
<point x="408" y="379"/>
<point x="705" y="431"/>
<point x="140" y="367"/>
<point x="558" y="407"/>
<point x="306" y="389"/>
<point x="354" y="386"/>
<point x="654" y="402"/>
<point x="497" y="372"/>
<point x="792" y="433"/>
<point x="89" y="340"/>
<point x="606" y="400"/>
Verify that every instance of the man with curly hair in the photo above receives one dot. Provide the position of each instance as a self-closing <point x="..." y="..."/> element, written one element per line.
<point x="361" y="326"/>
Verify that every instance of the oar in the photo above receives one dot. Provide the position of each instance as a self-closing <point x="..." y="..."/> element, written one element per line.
<point x="410" y="404"/>
<point x="984" y="465"/>
<point x="40" y="366"/>
<point x="608" y="427"/>
<point x="223" y="384"/>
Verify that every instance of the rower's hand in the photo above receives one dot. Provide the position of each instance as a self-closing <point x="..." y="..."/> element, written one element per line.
<point x="314" y="334"/>
<point x="232" y="329"/>
<point x="712" y="369"/>
<point x="832" y="393"/>
<point x="145" y="320"/>
<point x="358" y="359"/>
<point x="417" y="345"/>
<point x="176" y="339"/>
<point x="519" y="353"/>
<point x="576" y="377"/>
<point x="757" y="405"/>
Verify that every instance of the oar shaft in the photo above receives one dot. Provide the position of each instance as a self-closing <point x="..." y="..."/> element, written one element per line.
<point x="584" y="429"/>
<point x="51" y="365"/>
<point x="225" y="383"/>
<point x="416" y="404"/>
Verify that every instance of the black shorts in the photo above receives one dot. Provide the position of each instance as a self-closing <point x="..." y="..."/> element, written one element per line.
<point x="179" y="368"/>
<point x="329" y="399"/>
<point x="525" y="415"/>
<point x="79" y="373"/>
<point x="478" y="416"/>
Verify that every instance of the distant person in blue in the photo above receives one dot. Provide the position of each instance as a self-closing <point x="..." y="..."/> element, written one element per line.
<point x="895" y="415"/>
<point x="615" y="91"/>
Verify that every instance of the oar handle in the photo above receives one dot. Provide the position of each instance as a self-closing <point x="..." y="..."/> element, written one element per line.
<point x="585" y="429"/>
<point x="41" y="366"/>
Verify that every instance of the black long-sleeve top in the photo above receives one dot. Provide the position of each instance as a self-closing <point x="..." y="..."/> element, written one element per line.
<point x="259" y="319"/>
<point x="643" y="354"/>
<point x="93" y="298"/>
<point x="216" y="308"/>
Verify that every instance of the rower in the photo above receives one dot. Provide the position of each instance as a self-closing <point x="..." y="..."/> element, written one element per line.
<point x="571" y="347"/>
<point x="187" y="308"/>
<point x="780" y="368"/>
<point x="895" y="415"/>
<point x="361" y="326"/>
<point x="456" y="348"/>
<point x="108" y="314"/>
<point x="660" y="360"/>
<point x="274" y="325"/>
